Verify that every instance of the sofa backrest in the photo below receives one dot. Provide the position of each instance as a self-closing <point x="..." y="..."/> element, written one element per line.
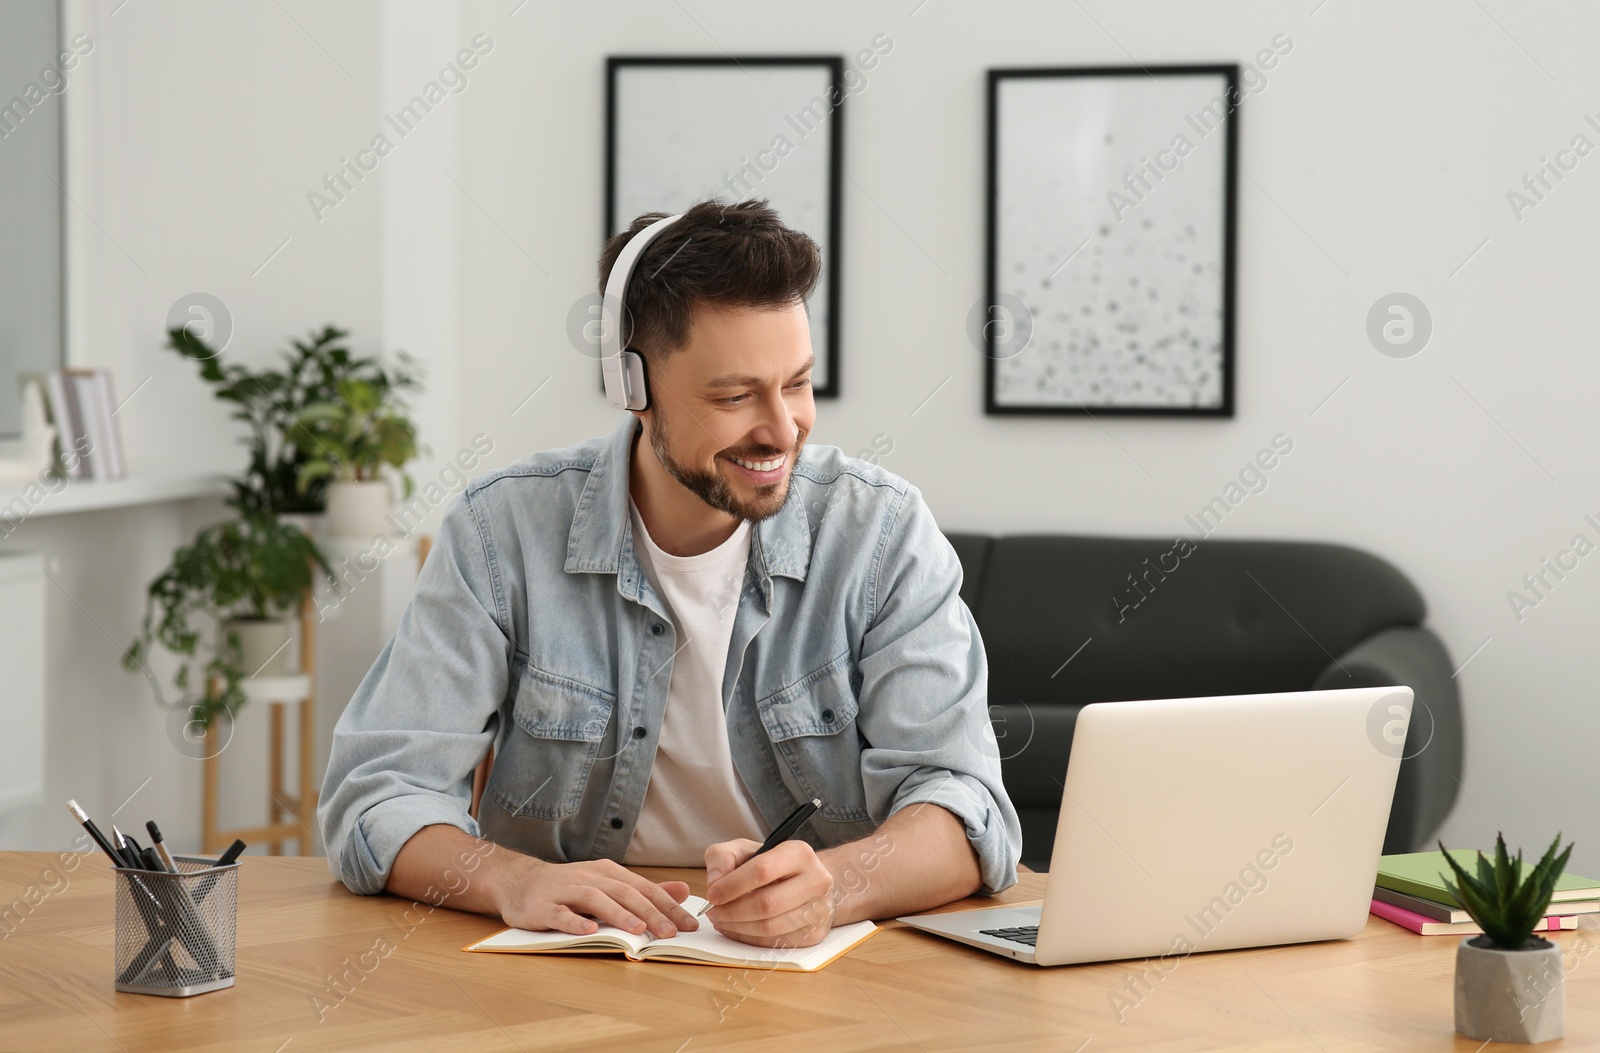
<point x="1068" y="620"/>
<point x="1170" y="619"/>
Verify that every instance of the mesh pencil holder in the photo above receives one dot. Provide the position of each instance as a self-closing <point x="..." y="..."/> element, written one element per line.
<point x="175" y="932"/>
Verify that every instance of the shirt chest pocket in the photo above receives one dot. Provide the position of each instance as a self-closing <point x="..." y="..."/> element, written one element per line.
<point x="559" y="726"/>
<point x="812" y="725"/>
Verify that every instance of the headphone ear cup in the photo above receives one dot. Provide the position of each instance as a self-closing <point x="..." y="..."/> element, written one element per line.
<point x="638" y="380"/>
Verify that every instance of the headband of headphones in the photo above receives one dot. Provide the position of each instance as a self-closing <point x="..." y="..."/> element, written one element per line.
<point x="623" y="369"/>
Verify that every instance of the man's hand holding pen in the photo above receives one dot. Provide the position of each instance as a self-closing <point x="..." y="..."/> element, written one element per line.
<point x="773" y="894"/>
<point x="779" y="898"/>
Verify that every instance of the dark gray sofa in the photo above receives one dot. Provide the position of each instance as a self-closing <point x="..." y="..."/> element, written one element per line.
<point x="1165" y="620"/>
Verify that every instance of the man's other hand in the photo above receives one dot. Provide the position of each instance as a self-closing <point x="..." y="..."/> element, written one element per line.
<point x="572" y="897"/>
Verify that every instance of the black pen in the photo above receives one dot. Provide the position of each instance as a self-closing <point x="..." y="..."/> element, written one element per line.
<point x="94" y="831"/>
<point x="226" y="859"/>
<point x="130" y="860"/>
<point x="125" y="850"/>
<point x="232" y="853"/>
<point x="160" y="847"/>
<point x="786" y="829"/>
<point x="137" y="850"/>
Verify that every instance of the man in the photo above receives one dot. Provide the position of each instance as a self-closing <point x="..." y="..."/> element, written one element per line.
<point x="673" y="636"/>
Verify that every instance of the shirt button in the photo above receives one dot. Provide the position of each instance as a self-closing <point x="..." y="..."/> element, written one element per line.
<point x="616" y="824"/>
<point x="639" y="733"/>
<point x="827" y="715"/>
<point x="657" y="629"/>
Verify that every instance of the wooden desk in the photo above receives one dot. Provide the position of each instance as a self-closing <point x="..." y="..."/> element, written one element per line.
<point x="303" y="985"/>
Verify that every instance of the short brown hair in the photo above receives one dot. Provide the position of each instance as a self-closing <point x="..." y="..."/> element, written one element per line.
<point x="722" y="255"/>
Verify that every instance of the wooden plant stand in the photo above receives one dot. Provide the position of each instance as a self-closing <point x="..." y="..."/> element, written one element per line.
<point x="289" y="818"/>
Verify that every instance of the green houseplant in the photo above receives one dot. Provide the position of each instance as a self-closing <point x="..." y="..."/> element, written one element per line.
<point x="1509" y="982"/>
<point x="272" y="403"/>
<point x="246" y="575"/>
<point x="355" y="442"/>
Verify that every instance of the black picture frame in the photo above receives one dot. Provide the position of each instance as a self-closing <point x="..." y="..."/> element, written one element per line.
<point x="1013" y="321"/>
<point x="742" y="66"/>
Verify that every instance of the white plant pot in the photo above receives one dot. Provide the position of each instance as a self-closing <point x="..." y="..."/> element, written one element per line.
<point x="360" y="510"/>
<point x="1510" y="996"/>
<point x="265" y="645"/>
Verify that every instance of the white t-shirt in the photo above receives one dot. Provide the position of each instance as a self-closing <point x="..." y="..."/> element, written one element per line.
<point x="695" y="797"/>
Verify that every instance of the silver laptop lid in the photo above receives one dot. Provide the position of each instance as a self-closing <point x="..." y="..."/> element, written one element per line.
<point x="1191" y="825"/>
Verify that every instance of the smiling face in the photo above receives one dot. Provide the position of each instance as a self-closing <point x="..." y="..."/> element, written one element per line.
<point x="731" y="409"/>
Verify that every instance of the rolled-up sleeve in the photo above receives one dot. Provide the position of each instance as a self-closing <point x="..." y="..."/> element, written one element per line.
<point x="425" y="715"/>
<point x="924" y="696"/>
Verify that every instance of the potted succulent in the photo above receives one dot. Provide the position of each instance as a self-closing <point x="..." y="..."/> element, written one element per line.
<point x="1509" y="982"/>
<point x="356" y="443"/>
<point x="247" y="575"/>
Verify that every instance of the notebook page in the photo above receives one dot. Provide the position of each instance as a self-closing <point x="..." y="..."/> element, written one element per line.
<point x="549" y="940"/>
<point x="708" y="940"/>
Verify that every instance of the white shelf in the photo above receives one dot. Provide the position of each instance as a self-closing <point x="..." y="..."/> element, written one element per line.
<point x="84" y="495"/>
<point x="261" y="689"/>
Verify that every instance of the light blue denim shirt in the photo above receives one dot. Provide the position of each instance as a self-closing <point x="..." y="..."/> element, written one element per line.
<point x="855" y="673"/>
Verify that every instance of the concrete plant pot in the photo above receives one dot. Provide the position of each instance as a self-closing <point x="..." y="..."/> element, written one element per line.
<point x="1510" y="996"/>
<point x="264" y="645"/>
<point x="359" y="510"/>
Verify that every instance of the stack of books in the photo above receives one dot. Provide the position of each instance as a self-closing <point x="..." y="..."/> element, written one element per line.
<point x="1411" y="892"/>
<point x="83" y="409"/>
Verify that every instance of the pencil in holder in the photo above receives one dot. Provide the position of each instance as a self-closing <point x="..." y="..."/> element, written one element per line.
<point x="175" y="932"/>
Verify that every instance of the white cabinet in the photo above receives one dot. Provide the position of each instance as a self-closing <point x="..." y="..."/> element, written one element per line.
<point x="22" y="619"/>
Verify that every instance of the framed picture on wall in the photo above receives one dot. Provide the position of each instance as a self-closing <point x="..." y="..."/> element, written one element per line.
<point x="1111" y="200"/>
<point x="681" y="129"/>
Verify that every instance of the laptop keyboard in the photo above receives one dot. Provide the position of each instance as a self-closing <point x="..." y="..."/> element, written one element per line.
<point x="1028" y="934"/>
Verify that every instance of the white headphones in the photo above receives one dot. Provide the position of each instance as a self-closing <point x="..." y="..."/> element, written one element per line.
<point x="623" y="370"/>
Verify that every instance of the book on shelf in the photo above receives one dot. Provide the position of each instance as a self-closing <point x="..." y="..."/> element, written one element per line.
<point x="1426" y="926"/>
<point x="1419" y="874"/>
<point x="703" y="946"/>
<point x="83" y="409"/>
<point x="69" y="433"/>
<point x="86" y="396"/>
<point x="1444" y="912"/>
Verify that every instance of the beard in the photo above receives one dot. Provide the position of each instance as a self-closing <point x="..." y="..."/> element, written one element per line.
<point x="714" y="489"/>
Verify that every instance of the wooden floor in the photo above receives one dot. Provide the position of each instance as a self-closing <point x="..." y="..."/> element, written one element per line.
<point x="304" y="985"/>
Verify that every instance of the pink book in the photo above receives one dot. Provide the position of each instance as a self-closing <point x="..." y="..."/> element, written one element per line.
<point x="1410" y="919"/>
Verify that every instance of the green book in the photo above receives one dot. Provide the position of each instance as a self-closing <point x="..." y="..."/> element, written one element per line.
<point x="1418" y="874"/>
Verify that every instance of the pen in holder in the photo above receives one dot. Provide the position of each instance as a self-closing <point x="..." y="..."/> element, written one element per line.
<point x="175" y="932"/>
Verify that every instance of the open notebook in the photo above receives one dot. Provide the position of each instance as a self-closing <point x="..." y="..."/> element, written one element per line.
<point x="704" y="946"/>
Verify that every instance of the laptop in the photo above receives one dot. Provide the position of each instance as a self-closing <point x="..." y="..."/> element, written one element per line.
<point x="1202" y="824"/>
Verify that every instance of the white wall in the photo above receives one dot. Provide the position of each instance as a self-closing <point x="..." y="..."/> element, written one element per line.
<point x="1377" y="160"/>
<point x="195" y="131"/>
